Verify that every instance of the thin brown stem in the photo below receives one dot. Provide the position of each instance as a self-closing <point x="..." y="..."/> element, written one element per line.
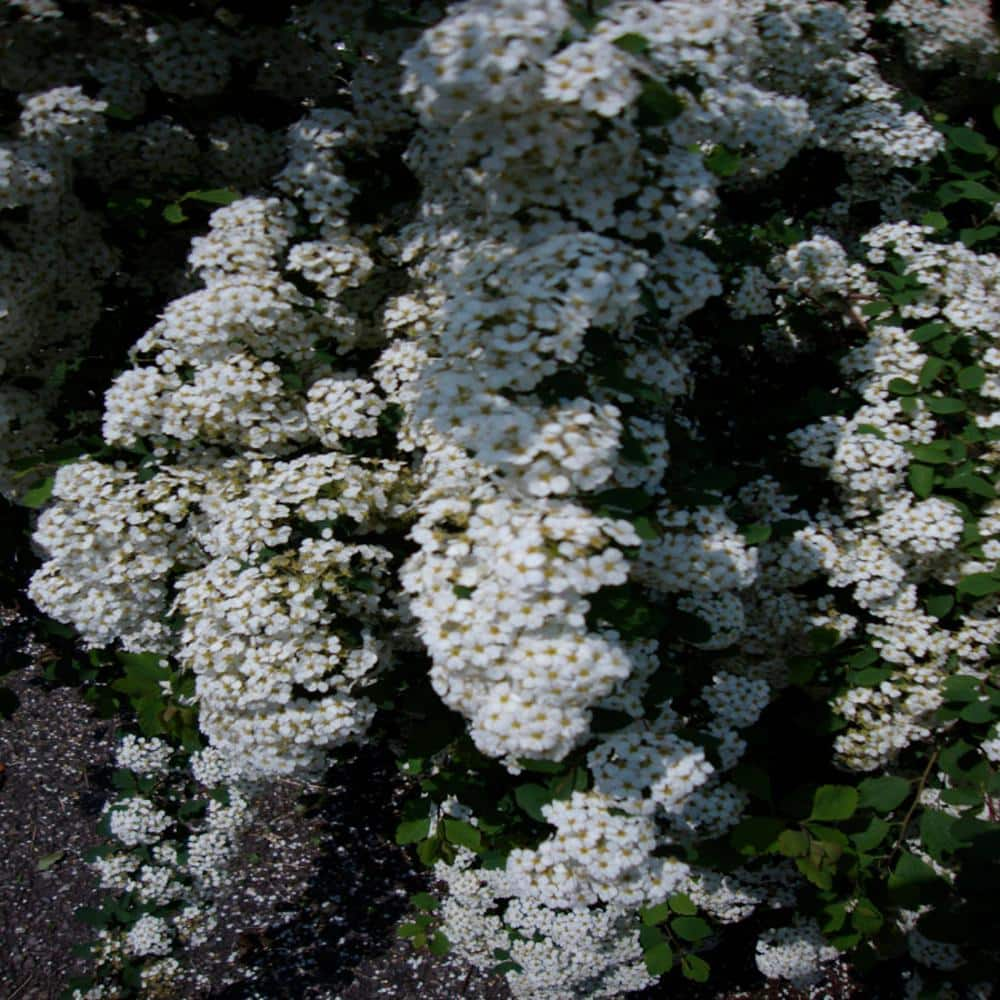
<point x="916" y="801"/>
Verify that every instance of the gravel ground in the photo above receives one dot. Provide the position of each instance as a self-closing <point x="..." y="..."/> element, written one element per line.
<point x="319" y="888"/>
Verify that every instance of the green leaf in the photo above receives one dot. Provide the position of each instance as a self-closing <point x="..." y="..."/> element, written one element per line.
<point x="870" y="429"/>
<point x="971" y="484"/>
<point x="936" y="220"/>
<point x="659" y="103"/>
<point x="793" y="844"/>
<point x="822" y="640"/>
<point x="754" y="534"/>
<point x="174" y="214"/>
<point x="939" y="605"/>
<point x="653" y="915"/>
<point x="439" y="944"/>
<point x="131" y="976"/>
<point x="215" y="196"/>
<point x="584" y="16"/>
<point x="979" y="585"/>
<point x="870" y="838"/>
<point x="845" y="942"/>
<point x="756" y="834"/>
<point x="410" y="831"/>
<point x="819" y="877"/>
<point x="829" y="841"/>
<point x="864" y="658"/>
<point x="972" y="377"/>
<point x="836" y="915"/>
<point x="833" y="802"/>
<point x="463" y="834"/>
<point x="723" y="162"/>
<point x="633" y="43"/>
<point x="977" y="713"/>
<point x="694" y="968"/>
<point x="191" y="808"/>
<point x="968" y="140"/>
<point x="962" y="797"/>
<point x="944" y="405"/>
<point x="650" y="936"/>
<point x="902" y="387"/>
<point x="646" y="529"/>
<point x="659" y="959"/>
<point x="952" y="191"/>
<point x="936" y="453"/>
<point x="875" y="308"/>
<point x="914" y="882"/>
<point x="870" y="677"/>
<point x="883" y="794"/>
<point x="45" y="862"/>
<point x="38" y="495"/>
<point x="531" y="798"/>
<point x="802" y="669"/>
<point x="928" y="331"/>
<point x="629" y="500"/>
<point x="970" y="237"/>
<point x="936" y="833"/>
<point x="963" y="688"/>
<point x="866" y="918"/>
<point x="932" y="367"/>
<point x="921" y="480"/>
<point x="690" y="928"/>
<point x="682" y="904"/>
<point x="124" y="780"/>
<point x="424" y="901"/>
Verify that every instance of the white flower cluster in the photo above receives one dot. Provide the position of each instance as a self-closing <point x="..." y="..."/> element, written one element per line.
<point x="137" y="821"/>
<point x="150" y="936"/>
<point x="146" y="757"/>
<point x="794" y="953"/>
<point x="61" y="285"/>
<point x="751" y="297"/>
<point x="936" y="34"/>
<point x="274" y="678"/>
<point x="183" y="856"/>
<point x="275" y="639"/>
<point x="734" y="896"/>
<point x="502" y="609"/>
<point x="594" y="856"/>
<point x="886" y="543"/>
<point x="343" y="407"/>
<point x="562" y="954"/>
<point x="820" y="265"/>
<point x="495" y="338"/>
<point x="111" y="541"/>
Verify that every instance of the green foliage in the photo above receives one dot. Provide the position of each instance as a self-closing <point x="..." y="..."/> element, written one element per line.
<point x="833" y="802"/>
<point x="883" y="794"/>
<point x="161" y="697"/>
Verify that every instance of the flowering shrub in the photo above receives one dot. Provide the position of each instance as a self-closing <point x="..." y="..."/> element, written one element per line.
<point x="172" y="833"/>
<point x="556" y="426"/>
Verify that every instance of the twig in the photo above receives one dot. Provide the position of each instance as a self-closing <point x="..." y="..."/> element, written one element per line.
<point x="18" y="989"/>
<point x="916" y="800"/>
<point x="300" y="783"/>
